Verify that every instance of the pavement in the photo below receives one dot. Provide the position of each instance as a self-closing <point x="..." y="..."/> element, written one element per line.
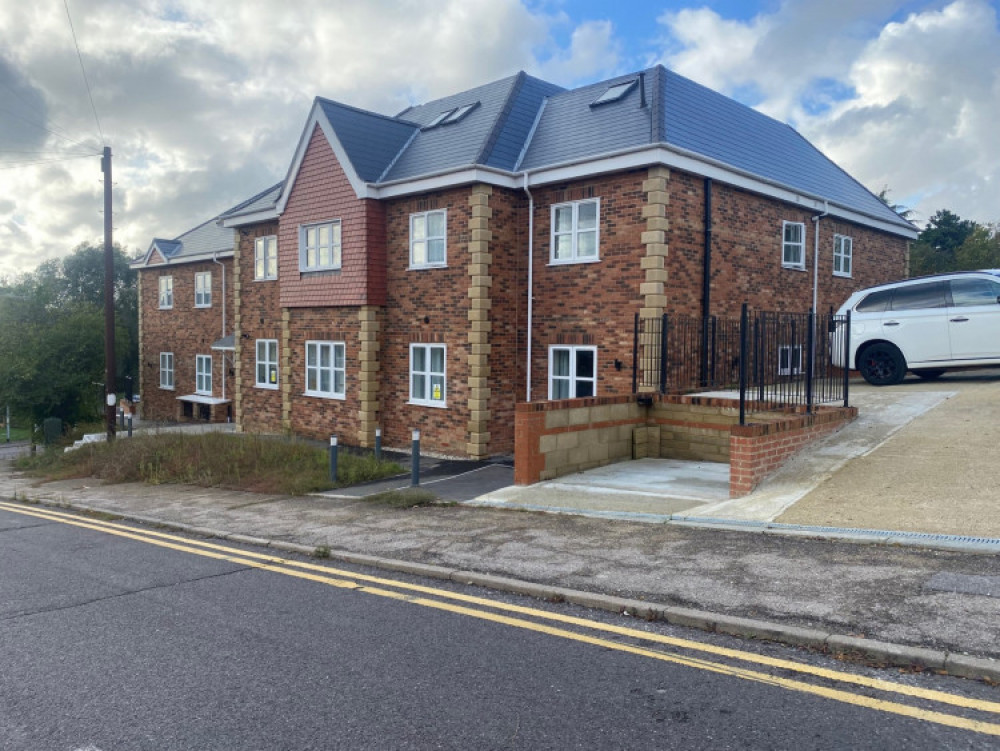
<point x="879" y="543"/>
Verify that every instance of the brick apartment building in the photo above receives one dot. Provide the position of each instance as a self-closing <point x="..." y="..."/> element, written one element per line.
<point x="432" y="269"/>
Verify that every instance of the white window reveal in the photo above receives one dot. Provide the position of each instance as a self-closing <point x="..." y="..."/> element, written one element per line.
<point x="793" y="245"/>
<point x="572" y="372"/>
<point x="843" y="255"/>
<point x="267" y="363"/>
<point x="428" y="239"/>
<point x="166" y="370"/>
<point x="427" y="374"/>
<point x="203" y="289"/>
<point x="319" y="246"/>
<point x="166" y="292"/>
<point x="326" y="373"/>
<point x="790" y="359"/>
<point x="265" y="258"/>
<point x="203" y="374"/>
<point x="575" y="234"/>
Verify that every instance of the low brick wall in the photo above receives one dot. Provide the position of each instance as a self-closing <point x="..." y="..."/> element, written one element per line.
<point x="558" y="438"/>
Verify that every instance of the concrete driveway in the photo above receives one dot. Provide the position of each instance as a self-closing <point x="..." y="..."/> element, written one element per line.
<point x="920" y="457"/>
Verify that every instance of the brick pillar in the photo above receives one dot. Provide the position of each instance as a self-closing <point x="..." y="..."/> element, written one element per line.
<point x="654" y="262"/>
<point x="368" y="339"/>
<point x="285" y="376"/>
<point x="480" y="302"/>
<point x="237" y="339"/>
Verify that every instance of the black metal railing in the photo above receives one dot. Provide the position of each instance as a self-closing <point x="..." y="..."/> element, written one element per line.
<point x="774" y="360"/>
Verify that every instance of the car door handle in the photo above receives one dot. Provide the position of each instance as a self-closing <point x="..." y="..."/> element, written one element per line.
<point x="960" y="319"/>
<point x="891" y="323"/>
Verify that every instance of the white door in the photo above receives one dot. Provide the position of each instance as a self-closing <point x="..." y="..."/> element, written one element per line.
<point x="974" y="319"/>
<point x="917" y="322"/>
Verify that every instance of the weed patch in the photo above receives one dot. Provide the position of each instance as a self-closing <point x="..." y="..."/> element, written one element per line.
<point x="405" y="498"/>
<point x="239" y="462"/>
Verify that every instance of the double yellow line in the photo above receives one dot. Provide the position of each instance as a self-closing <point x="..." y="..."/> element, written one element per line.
<point x="587" y="631"/>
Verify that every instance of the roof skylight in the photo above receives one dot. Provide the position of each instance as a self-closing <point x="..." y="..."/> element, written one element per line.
<point x="439" y="119"/>
<point x="614" y="92"/>
<point x="451" y="116"/>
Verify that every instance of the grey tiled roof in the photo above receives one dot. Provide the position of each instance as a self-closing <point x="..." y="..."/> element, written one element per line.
<point x="266" y="199"/>
<point x="523" y="123"/>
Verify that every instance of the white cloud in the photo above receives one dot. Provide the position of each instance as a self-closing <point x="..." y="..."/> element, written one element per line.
<point x="202" y="102"/>
<point x="914" y="102"/>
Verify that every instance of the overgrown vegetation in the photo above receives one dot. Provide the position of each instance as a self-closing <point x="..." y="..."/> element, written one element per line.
<point x="253" y="463"/>
<point x="404" y="498"/>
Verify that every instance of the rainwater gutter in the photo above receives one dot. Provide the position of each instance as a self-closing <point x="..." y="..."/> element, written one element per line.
<point x="815" y="219"/>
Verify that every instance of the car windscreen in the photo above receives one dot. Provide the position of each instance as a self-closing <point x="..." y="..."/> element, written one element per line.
<point x="918" y="296"/>
<point x="967" y="292"/>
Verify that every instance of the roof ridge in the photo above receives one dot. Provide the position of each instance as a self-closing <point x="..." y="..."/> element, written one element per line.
<point x="379" y="115"/>
<point x="501" y="119"/>
<point x="250" y="200"/>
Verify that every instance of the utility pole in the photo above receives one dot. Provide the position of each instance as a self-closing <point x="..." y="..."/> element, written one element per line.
<point x="109" y="302"/>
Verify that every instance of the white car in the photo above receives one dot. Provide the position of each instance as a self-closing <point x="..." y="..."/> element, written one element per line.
<point x="925" y="325"/>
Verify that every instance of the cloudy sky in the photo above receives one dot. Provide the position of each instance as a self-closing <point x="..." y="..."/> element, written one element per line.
<point x="202" y="102"/>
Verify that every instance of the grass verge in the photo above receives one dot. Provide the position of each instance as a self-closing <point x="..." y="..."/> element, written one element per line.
<point x="238" y="462"/>
<point x="405" y="498"/>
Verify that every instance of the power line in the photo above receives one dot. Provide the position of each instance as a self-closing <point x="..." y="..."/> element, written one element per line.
<point x="53" y="125"/>
<point x="20" y="165"/>
<point x="47" y="130"/>
<point x="84" y="71"/>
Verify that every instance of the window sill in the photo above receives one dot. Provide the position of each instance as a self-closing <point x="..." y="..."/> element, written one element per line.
<point x="322" y="395"/>
<point x="842" y="275"/>
<point x="166" y="307"/>
<point x="266" y="279"/>
<point x="321" y="270"/>
<point x="421" y="403"/>
<point x="793" y="268"/>
<point x="167" y="388"/>
<point x="202" y="307"/>
<point x="266" y="386"/>
<point x="573" y="261"/>
<point x="426" y="266"/>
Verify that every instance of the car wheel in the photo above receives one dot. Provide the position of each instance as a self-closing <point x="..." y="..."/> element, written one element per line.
<point x="882" y="364"/>
<point x="928" y="374"/>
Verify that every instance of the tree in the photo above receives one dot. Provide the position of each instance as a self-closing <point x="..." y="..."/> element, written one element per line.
<point x="936" y="248"/>
<point x="52" y="336"/>
<point x="981" y="249"/>
<point x="904" y="211"/>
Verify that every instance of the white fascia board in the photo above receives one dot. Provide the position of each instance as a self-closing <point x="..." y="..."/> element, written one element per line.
<point x="254" y="217"/>
<point x="318" y="117"/>
<point x="442" y="180"/>
<point x="194" y="258"/>
<point x="700" y="165"/>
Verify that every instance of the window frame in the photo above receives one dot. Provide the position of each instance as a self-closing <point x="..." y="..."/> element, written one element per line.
<point x="204" y="294"/>
<point x="336" y="247"/>
<point x="572" y="377"/>
<point x="333" y="347"/>
<point x="793" y="366"/>
<point x="574" y="233"/>
<point x="166" y="291"/>
<point x="801" y="264"/>
<point x="268" y="364"/>
<point x="443" y="263"/>
<point x="839" y="243"/>
<point x="167" y="371"/>
<point x="426" y="399"/>
<point x="201" y="377"/>
<point x="265" y="260"/>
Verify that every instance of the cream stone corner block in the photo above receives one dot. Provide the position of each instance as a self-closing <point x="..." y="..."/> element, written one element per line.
<point x="482" y="281"/>
<point x="649" y="312"/>
<point x="480" y="256"/>
<point x="478" y="269"/>
<point x="479" y="370"/>
<point x="482" y="189"/>
<point x="654" y="184"/>
<point x="479" y="210"/>
<point x="657" y="249"/>
<point x="482" y="303"/>
<point x="478" y="222"/>
<point x="478" y="315"/>
<point x="481" y="326"/>
<point x="657" y="222"/>
<point x="653" y="237"/>
<point x="659" y="171"/>
<point x="482" y="235"/>
<point x="651" y="288"/>
<point x="479" y="337"/>
<point x="654" y="209"/>
<point x="484" y="349"/>
<point x="652" y="262"/>
<point x="655" y="301"/>
<point x="475" y="292"/>
<point x="480" y="393"/>
<point x="478" y="404"/>
<point x="657" y="274"/>
<point x="658" y="196"/>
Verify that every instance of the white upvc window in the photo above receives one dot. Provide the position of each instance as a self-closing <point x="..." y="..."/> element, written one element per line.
<point x="572" y="372"/>
<point x="319" y="246"/>
<point x="428" y="374"/>
<point x="203" y="374"/>
<point x="203" y="289"/>
<point x="428" y="239"/>
<point x="267" y="364"/>
<point x="575" y="231"/>
<point x="265" y="257"/>
<point x="166" y="370"/>
<point x="843" y="255"/>
<point x="326" y="372"/>
<point x="793" y="245"/>
<point x="790" y="359"/>
<point x="166" y="292"/>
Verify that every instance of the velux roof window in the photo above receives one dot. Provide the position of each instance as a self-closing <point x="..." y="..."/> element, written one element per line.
<point x="614" y="92"/>
<point x="451" y="116"/>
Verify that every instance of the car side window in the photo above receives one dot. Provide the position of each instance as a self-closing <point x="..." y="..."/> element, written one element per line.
<point x="966" y="292"/>
<point x="919" y="296"/>
<point x="876" y="302"/>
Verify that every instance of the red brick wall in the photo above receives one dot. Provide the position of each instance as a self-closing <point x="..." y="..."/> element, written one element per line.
<point x="260" y="318"/>
<point x="322" y="192"/>
<point x="746" y="253"/>
<point x="590" y="303"/>
<point x="320" y="417"/>
<point x="186" y="331"/>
